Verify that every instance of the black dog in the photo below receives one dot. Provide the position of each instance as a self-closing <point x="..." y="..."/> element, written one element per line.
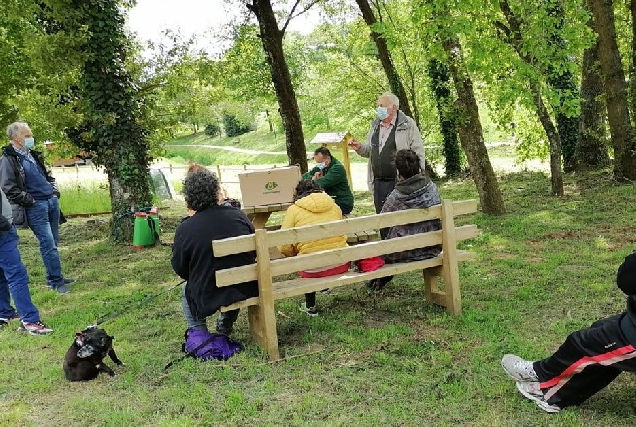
<point x="85" y="359"/>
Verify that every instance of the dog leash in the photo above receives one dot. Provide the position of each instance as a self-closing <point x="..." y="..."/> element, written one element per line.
<point x="142" y="302"/>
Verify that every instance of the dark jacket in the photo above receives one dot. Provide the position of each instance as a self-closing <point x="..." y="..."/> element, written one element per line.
<point x="12" y="178"/>
<point x="334" y="182"/>
<point x="626" y="282"/>
<point x="194" y="260"/>
<point x="415" y="192"/>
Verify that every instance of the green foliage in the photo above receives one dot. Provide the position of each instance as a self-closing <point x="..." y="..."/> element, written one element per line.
<point x="212" y="129"/>
<point x="234" y="126"/>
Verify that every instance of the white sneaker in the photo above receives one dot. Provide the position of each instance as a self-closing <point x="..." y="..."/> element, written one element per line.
<point x="518" y="369"/>
<point x="532" y="391"/>
<point x="311" y="311"/>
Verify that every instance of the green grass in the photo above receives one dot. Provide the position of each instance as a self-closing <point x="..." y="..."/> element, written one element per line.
<point x="90" y="196"/>
<point x="544" y="269"/>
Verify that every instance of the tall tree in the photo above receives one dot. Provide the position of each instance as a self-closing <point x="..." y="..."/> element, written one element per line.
<point x="272" y="39"/>
<point x="591" y="149"/>
<point x="108" y="102"/>
<point x="618" y="114"/>
<point x="471" y="133"/>
<point x="512" y="34"/>
<point x="385" y="56"/>
<point x="564" y="82"/>
<point x="440" y="86"/>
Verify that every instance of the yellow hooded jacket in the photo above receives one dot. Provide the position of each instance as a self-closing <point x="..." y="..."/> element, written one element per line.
<point x="315" y="208"/>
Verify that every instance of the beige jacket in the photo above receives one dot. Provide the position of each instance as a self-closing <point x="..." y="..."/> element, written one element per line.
<point x="407" y="137"/>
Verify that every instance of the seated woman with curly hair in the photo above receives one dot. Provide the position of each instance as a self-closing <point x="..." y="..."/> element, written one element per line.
<point x="194" y="260"/>
<point x="413" y="189"/>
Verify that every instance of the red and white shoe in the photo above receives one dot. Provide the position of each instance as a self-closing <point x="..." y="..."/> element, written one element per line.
<point x="35" y="328"/>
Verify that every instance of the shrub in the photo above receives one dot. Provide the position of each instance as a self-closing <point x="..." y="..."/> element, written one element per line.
<point x="212" y="129"/>
<point x="234" y="126"/>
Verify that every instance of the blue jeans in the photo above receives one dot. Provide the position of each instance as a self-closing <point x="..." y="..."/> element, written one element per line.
<point x="226" y="318"/>
<point x="44" y="220"/>
<point x="14" y="280"/>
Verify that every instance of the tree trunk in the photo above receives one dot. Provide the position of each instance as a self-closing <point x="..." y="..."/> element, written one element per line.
<point x="632" y="66"/>
<point x="512" y="35"/>
<point x="385" y="58"/>
<point x="272" y="39"/>
<point x="556" y="177"/>
<point x="471" y="133"/>
<point x="565" y="84"/>
<point x="440" y="82"/>
<point x="615" y="92"/>
<point x="591" y="149"/>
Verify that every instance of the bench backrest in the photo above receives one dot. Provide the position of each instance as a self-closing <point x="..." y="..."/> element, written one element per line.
<point x="262" y="240"/>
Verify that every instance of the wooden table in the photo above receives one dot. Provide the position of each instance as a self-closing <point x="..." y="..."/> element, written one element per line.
<point x="260" y="214"/>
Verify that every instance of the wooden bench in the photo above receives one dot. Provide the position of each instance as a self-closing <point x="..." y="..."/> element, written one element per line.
<point x="261" y="310"/>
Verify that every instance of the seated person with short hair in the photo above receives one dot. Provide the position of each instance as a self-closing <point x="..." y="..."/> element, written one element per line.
<point x="331" y="175"/>
<point x="413" y="189"/>
<point x="313" y="206"/>
<point x="193" y="258"/>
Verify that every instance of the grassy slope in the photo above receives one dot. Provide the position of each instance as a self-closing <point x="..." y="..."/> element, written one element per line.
<point x="544" y="269"/>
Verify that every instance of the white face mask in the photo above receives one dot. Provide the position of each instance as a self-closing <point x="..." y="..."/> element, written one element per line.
<point x="29" y="142"/>
<point x="321" y="165"/>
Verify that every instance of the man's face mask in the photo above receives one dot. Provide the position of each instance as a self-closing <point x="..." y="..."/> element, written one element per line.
<point x="29" y="142"/>
<point x="382" y="112"/>
<point x="321" y="165"/>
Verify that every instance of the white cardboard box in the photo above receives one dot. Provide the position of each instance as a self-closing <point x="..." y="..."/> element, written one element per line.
<point x="269" y="186"/>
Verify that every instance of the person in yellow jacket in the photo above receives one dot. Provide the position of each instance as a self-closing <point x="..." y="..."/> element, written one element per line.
<point x="313" y="206"/>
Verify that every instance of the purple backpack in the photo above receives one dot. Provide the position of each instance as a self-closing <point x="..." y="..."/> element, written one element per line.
<point x="205" y="345"/>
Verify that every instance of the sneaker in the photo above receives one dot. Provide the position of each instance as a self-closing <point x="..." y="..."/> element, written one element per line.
<point x="518" y="369"/>
<point x="4" y="321"/>
<point x="532" y="391"/>
<point x="35" y="328"/>
<point x="66" y="282"/>
<point x="64" y="289"/>
<point x="311" y="311"/>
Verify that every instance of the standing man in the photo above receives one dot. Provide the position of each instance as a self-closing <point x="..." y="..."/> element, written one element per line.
<point x="14" y="280"/>
<point x="390" y="132"/>
<point x="31" y="190"/>
<point x="331" y="175"/>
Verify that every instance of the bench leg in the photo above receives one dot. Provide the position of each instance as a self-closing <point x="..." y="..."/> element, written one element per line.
<point x="431" y="284"/>
<point x="263" y="327"/>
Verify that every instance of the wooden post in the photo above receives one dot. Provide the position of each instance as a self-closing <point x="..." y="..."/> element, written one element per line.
<point x="218" y="173"/>
<point x="170" y="168"/>
<point x="450" y="268"/>
<point x="263" y="317"/>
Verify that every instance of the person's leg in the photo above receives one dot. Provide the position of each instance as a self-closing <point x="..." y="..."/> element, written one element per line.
<point x="15" y="277"/>
<point x="198" y="324"/>
<point x="6" y="310"/>
<point x="310" y="299"/>
<point x="346" y="209"/>
<point x="585" y="363"/>
<point x="54" y="218"/>
<point x="381" y="190"/>
<point x="38" y="218"/>
<point x="225" y="321"/>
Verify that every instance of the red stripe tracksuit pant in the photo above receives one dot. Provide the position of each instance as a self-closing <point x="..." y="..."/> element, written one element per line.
<point x="588" y="361"/>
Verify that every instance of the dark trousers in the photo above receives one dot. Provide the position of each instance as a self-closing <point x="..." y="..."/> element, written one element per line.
<point x="381" y="190"/>
<point x="586" y="362"/>
<point x="346" y="209"/>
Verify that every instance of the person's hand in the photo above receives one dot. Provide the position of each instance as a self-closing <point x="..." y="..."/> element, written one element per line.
<point x="354" y="144"/>
<point x="317" y="175"/>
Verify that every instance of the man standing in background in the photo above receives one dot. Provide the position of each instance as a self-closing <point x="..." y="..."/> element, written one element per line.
<point x="390" y="132"/>
<point x="31" y="191"/>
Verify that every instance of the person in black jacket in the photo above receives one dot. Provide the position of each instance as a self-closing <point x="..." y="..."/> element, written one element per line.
<point x="193" y="258"/>
<point x="587" y="361"/>
<point x="33" y="195"/>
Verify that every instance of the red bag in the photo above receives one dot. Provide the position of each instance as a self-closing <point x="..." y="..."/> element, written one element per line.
<point x="369" y="264"/>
